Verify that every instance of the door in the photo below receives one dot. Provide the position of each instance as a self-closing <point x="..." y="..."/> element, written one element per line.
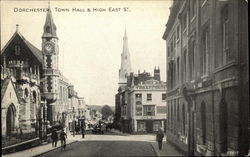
<point x="149" y="126"/>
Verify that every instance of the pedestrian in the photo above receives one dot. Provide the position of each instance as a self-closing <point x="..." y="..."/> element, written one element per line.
<point x="54" y="138"/>
<point x="63" y="137"/>
<point x="83" y="131"/>
<point x="159" y="137"/>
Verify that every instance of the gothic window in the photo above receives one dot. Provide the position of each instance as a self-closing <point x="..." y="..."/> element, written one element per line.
<point x="49" y="61"/>
<point x="225" y="34"/>
<point x="17" y="50"/>
<point x="34" y="96"/>
<point x="203" y="122"/>
<point x="26" y="92"/>
<point x="10" y="119"/>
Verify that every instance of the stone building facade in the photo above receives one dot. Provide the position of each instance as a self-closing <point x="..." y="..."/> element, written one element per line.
<point x="143" y="103"/>
<point x="34" y="91"/>
<point x="207" y="76"/>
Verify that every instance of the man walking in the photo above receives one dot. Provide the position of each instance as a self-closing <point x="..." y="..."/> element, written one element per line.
<point x="83" y="131"/>
<point x="63" y="137"/>
<point x="54" y="137"/>
<point x="159" y="137"/>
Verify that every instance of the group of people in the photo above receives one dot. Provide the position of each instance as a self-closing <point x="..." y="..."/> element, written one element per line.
<point x="54" y="138"/>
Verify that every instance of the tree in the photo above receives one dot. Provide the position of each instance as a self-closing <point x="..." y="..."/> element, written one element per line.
<point x="106" y="112"/>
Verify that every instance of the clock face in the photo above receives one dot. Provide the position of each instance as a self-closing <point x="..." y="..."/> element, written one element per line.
<point x="49" y="47"/>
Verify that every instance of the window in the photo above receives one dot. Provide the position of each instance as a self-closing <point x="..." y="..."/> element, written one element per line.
<point x="223" y="125"/>
<point x="178" y="68"/>
<point x="169" y="51"/>
<point x="163" y="97"/>
<point x="184" y="22"/>
<point x="192" y="60"/>
<point x="149" y="110"/>
<point x="172" y="47"/>
<point x="203" y="122"/>
<point x="204" y="61"/>
<point x="184" y="65"/>
<point x="178" y="32"/>
<point x="194" y="7"/>
<point x="26" y="92"/>
<point x="141" y="126"/>
<point x="124" y="111"/>
<point x="183" y="118"/>
<point x="171" y="76"/>
<point x="138" y="102"/>
<point x="17" y="49"/>
<point x="156" y="125"/>
<point x="149" y="97"/>
<point x="225" y="33"/>
<point x="178" y="111"/>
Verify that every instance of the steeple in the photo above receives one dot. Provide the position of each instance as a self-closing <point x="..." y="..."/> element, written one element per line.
<point x="125" y="61"/>
<point x="49" y="28"/>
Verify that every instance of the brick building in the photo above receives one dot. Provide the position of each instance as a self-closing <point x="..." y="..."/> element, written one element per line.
<point x="207" y="76"/>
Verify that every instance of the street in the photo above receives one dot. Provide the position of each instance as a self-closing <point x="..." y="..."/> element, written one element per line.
<point x="107" y="145"/>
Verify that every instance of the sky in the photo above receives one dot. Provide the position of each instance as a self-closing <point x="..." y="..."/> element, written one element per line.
<point x="90" y="43"/>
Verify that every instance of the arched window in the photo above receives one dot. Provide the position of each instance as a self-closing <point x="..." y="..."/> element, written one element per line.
<point x="178" y="112"/>
<point x="183" y="118"/>
<point x="223" y="124"/>
<point x="171" y="115"/>
<point x="34" y="96"/>
<point x="26" y="92"/>
<point x="203" y="122"/>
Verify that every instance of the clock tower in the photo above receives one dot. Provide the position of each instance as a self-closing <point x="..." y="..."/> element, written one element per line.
<point x="50" y="52"/>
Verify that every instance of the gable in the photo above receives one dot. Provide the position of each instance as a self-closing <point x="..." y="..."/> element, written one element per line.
<point x="8" y="93"/>
<point x="27" y="50"/>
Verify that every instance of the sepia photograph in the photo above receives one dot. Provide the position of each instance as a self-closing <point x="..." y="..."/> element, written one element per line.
<point x="100" y="78"/>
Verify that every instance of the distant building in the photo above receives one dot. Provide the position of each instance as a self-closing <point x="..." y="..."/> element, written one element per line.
<point x="143" y="103"/>
<point x="207" y="77"/>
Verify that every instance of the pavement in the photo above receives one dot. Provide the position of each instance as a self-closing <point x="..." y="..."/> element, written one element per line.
<point x="99" y="145"/>
<point x="35" y="151"/>
<point x="167" y="150"/>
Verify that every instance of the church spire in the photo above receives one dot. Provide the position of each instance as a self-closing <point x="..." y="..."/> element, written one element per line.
<point x="125" y="68"/>
<point x="49" y="28"/>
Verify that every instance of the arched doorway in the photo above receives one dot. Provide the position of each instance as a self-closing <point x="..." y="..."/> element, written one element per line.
<point x="203" y="122"/>
<point x="10" y="119"/>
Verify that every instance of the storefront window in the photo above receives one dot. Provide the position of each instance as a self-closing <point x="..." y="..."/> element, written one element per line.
<point x="141" y="126"/>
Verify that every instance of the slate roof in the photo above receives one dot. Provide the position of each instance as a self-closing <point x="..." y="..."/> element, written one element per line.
<point x="35" y="51"/>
